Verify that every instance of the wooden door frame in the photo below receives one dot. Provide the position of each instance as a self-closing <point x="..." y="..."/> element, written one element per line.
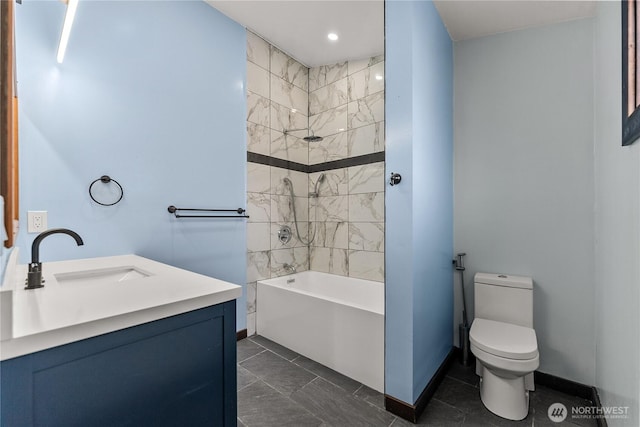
<point x="8" y="121"/>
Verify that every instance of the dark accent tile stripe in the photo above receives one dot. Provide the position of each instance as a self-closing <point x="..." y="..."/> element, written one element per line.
<point x="320" y="167"/>
<point x="565" y="386"/>
<point x="412" y="412"/>
<point x="274" y="161"/>
<point x="348" y="162"/>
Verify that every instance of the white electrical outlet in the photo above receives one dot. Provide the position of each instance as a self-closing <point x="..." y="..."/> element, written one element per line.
<point x="37" y="221"/>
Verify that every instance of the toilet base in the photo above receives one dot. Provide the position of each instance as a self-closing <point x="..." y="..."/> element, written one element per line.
<point x="505" y="397"/>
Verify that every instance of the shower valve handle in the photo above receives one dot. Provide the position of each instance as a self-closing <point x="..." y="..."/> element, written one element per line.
<point x="395" y="179"/>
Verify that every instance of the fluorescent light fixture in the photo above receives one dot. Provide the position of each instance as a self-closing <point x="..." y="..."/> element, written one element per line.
<point x="72" y="5"/>
<point x="332" y="36"/>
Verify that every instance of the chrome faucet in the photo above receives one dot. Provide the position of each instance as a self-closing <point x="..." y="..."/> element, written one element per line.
<point x="289" y="267"/>
<point x="34" y="277"/>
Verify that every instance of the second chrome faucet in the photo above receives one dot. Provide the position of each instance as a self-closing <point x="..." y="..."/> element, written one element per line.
<point x="289" y="267"/>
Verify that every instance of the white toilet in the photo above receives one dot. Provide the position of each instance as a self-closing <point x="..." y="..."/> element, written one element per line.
<point x="504" y="343"/>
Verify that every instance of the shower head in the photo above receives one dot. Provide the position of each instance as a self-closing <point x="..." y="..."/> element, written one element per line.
<point x="309" y="138"/>
<point x="320" y="179"/>
<point x="313" y="138"/>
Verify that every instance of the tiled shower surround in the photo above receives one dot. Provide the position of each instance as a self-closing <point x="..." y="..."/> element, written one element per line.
<point x="343" y="103"/>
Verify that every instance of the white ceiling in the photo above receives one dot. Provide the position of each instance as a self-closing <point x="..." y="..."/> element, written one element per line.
<point x="300" y="27"/>
<point x="478" y="18"/>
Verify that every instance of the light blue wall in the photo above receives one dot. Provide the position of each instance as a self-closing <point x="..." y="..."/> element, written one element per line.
<point x="524" y="178"/>
<point x="419" y="211"/>
<point x="617" y="231"/>
<point x="152" y="94"/>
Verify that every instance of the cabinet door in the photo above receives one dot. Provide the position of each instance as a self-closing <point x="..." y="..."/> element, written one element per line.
<point x="170" y="372"/>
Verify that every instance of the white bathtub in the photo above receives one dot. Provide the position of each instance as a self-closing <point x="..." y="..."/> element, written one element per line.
<point x="336" y="321"/>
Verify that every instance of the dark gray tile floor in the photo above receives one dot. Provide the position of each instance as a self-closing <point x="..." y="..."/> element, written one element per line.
<point x="278" y="387"/>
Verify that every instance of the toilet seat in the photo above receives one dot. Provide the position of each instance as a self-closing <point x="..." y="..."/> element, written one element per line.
<point x="506" y="367"/>
<point x="504" y="340"/>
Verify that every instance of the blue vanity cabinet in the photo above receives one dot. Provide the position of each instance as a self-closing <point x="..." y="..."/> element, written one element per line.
<point x="177" y="371"/>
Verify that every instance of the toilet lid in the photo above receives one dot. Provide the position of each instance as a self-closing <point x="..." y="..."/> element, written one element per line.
<point x="504" y="339"/>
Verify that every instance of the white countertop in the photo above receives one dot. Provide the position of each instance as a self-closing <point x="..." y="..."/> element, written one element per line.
<point x="64" y="312"/>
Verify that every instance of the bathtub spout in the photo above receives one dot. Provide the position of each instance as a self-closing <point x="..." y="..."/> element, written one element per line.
<point x="289" y="267"/>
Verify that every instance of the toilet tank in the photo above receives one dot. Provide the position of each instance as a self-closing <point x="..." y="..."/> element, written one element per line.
<point x="504" y="298"/>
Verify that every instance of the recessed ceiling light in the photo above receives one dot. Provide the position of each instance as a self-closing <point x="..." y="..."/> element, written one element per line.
<point x="332" y="36"/>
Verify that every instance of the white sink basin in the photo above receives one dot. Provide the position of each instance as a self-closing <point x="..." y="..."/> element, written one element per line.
<point x="102" y="276"/>
<point x="85" y="298"/>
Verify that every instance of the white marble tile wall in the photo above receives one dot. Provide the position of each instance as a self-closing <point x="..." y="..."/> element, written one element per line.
<point x="326" y="74"/>
<point x="328" y="123"/>
<point x="288" y="69"/>
<point x="258" y="50"/>
<point x="258" y="139"/>
<point x="258" y="178"/>
<point x="277" y="99"/>
<point x="295" y="242"/>
<point x="366" y="178"/>
<point x="365" y="140"/>
<point x="329" y="208"/>
<point x="360" y="64"/>
<point x="329" y="96"/>
<point x="366" y="207"/>
<point x="350" y="209"/>
<point x="258" y="266"/>
<point x="258" y="109"/>
<point x="366" y="265"/>
<point x="258" y="236"/>
<point x="347" y="98"/>
<point x="365" y="111"/>
<point x="258" y="207"/>
<point x="332" y="147"/>
<point x="257" y="80"/>
<point x="251" y="307"/>
<point x="366" y="236"/>
<point x="286" y="118"/>
<point x="343" y="103"/>
<point x="289" y="147"/>
<point x="335" y="182"/>
<point x="330" y="260"/>
<point x="287" y="94"/>
<point x="331" y="234"/>
<point x="298" y="257"/>
<point x="282" y="208"/>
<point x="300" y="181"/>
<point x="349" y="222"/>
<point x="366" y="82"/>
